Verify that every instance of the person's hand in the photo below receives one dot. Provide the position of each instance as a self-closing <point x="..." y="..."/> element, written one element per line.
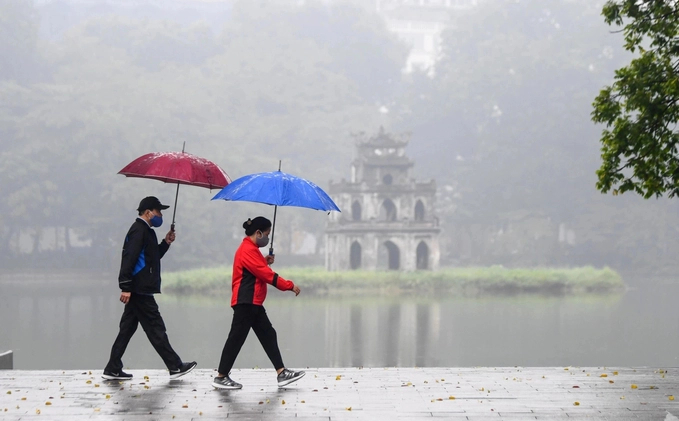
<point x="169" y="237"/>
<point x="296" y="290"/>
<point x="270" y="258"/>
<point x="125" y="297"/>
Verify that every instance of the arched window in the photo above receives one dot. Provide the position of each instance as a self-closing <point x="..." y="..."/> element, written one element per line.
<point x="419" y="211"/>
<point x="388" y="211"/>
<point x="356" y="211"/>
<point x="355" y="255"/>
<point x="389" y="256"/>
<point x="422" y="256"/>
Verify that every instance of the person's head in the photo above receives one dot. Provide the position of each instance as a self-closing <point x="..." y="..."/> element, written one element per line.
<point x="258" y="230"/>
<point x="151" y="210"/>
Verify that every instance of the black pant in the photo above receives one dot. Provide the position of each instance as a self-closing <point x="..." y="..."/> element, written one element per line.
<point x="246" y="316"/>
<point x="142" y="309"/>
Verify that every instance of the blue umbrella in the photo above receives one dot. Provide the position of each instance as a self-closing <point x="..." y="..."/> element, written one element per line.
<point x="278" y="189"/>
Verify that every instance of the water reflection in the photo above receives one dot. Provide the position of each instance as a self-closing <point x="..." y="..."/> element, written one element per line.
<point x="56" y="327"/>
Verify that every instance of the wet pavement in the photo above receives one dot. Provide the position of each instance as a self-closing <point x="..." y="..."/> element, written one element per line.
<point x="507" y="393"/>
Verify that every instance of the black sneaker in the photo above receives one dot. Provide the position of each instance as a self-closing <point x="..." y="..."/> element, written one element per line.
<point x="120" y="375"/>
<point x="183" y="369"/>
<point x="225" y="383"/>
<point x="288" y="376"/>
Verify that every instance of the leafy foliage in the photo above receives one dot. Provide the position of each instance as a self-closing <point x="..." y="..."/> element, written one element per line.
<point x="640" y="109"/>
<point x="459" y="280"/>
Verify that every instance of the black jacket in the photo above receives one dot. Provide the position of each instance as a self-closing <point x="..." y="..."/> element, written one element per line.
<point x="140" y="264"/>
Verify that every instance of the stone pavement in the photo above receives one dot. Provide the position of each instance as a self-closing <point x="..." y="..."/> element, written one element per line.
<point x="508" y="393"/>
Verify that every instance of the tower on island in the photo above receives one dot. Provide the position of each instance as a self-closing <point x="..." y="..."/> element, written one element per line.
<point x="389" y="220"/>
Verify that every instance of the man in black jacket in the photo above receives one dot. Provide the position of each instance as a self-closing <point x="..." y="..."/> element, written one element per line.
<point x="139" y="279"/>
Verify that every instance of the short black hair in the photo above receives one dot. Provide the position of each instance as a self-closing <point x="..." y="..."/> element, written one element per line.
<point x="259" y="223"/>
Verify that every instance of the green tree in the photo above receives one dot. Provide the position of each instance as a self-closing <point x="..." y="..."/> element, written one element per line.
<point x="641" y="108"/>
<point x="18" y="40"/>
<point x="512" y="96"/>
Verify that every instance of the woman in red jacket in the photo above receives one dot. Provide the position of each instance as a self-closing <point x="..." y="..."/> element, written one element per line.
<point x="251" y="274"/>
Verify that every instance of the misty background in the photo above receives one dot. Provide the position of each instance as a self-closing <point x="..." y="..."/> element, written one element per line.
<point x="501" y="121"/>
<point x="499" y="117"/>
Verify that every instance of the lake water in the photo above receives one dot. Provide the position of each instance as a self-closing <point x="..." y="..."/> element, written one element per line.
<point x="71" y="325"/>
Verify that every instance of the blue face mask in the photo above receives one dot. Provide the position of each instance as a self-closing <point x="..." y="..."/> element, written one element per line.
<point x="156" y="221"/>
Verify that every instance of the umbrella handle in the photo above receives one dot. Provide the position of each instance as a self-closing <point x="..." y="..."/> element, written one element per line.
<point x="174" y="211"/>
<point x="273" y="229"/>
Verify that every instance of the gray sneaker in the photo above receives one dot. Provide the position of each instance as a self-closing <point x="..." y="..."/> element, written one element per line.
<point x="288" y="376"/>
<point x="225" y="383"/>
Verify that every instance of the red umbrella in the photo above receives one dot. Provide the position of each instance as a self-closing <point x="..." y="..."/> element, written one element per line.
<point x="180" y="168"/>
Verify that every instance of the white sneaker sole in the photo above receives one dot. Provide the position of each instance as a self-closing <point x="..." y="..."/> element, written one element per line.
<point x="287" y="382"/>
<point x="178" y="375"/>
<point x="107" y="377"/>
<point x="221" y="386"/>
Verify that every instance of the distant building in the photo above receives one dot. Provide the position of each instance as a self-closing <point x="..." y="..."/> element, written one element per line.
<point x="388" y="220"/>
<point x="420" y="23"/>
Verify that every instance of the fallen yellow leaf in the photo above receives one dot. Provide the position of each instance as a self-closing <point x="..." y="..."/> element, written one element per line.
<point x="23" y="399"/>
<point x="671" y="397"/>
<point x="89" y="382"/>
<point x="96" y="385"/>
<point x="634" y="386"/>
<point x="37" y="411"/>
<point x="615" y="373"/>
<point x="283" y="402"/>
<point x="576" y="403"/>
<point x="349" y="408"/>
<point x="451" y="398"/>
<point x="186" y="405"/>
<point x="48" y="403"/>
<point x="338" y="377"/>
<point x="303" y="401"/>
<point x="9" y="392"/>
<point x="610" y="381"/>
<point x="604" y="375"/>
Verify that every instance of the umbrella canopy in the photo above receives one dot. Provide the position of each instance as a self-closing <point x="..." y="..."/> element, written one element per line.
<point x="279" y="189"/>
<point x="180" y="168"/>
<point x="177" y="167"/>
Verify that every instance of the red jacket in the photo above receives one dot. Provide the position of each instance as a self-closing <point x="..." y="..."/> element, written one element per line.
<point x="251" y="273"/>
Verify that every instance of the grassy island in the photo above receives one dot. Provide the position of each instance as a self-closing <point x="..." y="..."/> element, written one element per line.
<point x="462" y="281"/>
